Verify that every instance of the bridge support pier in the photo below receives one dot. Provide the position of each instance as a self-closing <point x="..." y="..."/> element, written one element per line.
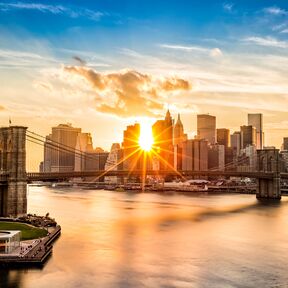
<point x="13" y="193"/>
<point x="268" y="188"/>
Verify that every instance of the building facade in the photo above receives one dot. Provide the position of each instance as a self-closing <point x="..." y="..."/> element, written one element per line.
<point x="131" y="149"/>
<point x="248" y="136"/>
<point x="59" y="148"/>
<point x="216" y="157"/>
<point x="235" y="142"/>
<point x="163" y="142"/>
<point x="256" y="120"/>
<point x="206" y="128"/>
<point x="114" y="162"/>
<point x="223" y="137"/>
<point x="195" y="155"/>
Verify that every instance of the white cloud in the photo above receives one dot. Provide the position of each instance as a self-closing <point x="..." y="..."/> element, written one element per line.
<point x="284" y="30"/>
<point x="214" y="52"/>
<point x="274" y="10"/>
<point x="53" y="9"/>
<point x="228" y="6"/>
<point x="266" y="41"/>
<point x="185" y="48"/>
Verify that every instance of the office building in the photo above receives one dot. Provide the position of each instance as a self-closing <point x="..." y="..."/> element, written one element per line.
<point x="59" y="148"/>
<point x="285" y="143"/>
<point x="163" y="142"/>
<point x="206" y="128"/>
<point x="114" y="162"/>
<point x="131" y="149"/>
<point x="178" y="132"/>
<point x="235" y="142"/>
<point x="195" y="155"/>
<point x="223" y="137"/>
<point x="256" y="120"/>
<point x="248" y="136"/>
<point x="83" y="145"/>
<point x="216" y="157"/>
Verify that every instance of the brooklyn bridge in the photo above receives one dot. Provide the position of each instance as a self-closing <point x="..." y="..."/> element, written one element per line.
<point x="14" y="177"/>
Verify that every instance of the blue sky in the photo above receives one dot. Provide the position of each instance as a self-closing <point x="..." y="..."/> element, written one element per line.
<point x="233" y="54"/>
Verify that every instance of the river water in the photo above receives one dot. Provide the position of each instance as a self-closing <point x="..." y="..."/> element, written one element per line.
<point x="121" y="239"/>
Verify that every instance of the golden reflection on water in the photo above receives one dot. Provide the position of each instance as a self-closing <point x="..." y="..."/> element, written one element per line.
<point x="118" y="239"/>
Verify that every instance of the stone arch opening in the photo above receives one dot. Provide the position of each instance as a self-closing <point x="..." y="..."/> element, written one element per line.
<point x="262" y="164"/>
<point x="270" y="163"/>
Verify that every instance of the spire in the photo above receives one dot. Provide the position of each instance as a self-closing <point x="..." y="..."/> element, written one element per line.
<point x="168" y="115"/>
<point x="179" y="122"/>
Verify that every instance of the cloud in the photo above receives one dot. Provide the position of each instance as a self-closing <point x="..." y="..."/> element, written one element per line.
<point x="228" y="6"/>
<point x="43" y="85"/>
<point x="129" y="93"/>
<point x="266" y="41"/>
<point x="52" y="9"/>
<point x="274" y="10"/>
<point x="185" y="48"/>
<point x="215" y="52"/>
<point x="80" y="60"/>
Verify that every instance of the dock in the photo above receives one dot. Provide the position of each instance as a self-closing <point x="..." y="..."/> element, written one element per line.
<point x="36" y="256"/>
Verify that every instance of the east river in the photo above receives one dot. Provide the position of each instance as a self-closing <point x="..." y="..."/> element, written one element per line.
<point x="121" y="239"/>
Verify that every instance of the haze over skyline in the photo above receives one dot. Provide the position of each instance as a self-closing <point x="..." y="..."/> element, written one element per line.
<point x="102" y="65"/>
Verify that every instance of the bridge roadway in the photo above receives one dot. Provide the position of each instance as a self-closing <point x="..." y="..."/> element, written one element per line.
<point x="50" y="176"/>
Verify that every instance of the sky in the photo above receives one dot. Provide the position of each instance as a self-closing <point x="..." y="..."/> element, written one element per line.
<point x="104" y="64"/>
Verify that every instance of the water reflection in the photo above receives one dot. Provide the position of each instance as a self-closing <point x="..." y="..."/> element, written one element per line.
<point x="117" y="239"/>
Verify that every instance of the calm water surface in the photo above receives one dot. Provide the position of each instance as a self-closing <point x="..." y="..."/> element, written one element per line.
<point x="118" y="239"/>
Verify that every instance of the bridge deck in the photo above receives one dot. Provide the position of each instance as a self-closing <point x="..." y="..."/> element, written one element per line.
<point x="97" y="174"/>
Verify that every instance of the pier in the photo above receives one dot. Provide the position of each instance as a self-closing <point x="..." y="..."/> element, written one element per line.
<point x="36" y="255"/>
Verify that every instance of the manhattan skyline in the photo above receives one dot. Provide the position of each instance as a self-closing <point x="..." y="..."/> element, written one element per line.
<point x="94" y="63"/>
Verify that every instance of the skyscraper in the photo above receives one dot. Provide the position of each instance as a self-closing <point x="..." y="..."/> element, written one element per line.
<point x="178" y="132"/>
<point x="114" y="162"/>
<point x="216" y="157"/>
<point x="248" y="136"/>
<point x="163" y="142"/>
<point x="223" y="137"/>
<point x="285" y="143"/>
<point x="256" y="120"/>
<point x="131" y="149"/>
<point x="236" y="142"/>
<point x="63" y="138"/>
<point x="195" y="155"/>
<point x="83" y="145"/>
<point x="206" y="127"/>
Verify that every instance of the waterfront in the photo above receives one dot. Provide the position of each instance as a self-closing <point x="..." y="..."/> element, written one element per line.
<point x="119" y="239"/>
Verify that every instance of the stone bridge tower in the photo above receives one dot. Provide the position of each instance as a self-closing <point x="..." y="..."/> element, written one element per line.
<point x="13" y="191"/>
<point x="268" y="160"/>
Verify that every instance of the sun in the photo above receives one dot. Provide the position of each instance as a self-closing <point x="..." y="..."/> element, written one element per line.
<point x="146" y="138"/>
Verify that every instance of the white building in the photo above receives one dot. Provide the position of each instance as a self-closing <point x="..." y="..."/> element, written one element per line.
<point x="9" y="241"/>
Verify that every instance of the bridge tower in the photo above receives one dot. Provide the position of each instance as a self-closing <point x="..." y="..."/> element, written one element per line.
<point x="13" y="192"/>
<point x="268" y="161"/>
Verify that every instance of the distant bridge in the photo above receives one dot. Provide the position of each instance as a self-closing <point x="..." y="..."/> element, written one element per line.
<point x="51" y="176"/>
<point x="14" y="179"/>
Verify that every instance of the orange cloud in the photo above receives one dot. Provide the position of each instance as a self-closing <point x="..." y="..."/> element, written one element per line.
<point x="129" y="93"/>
